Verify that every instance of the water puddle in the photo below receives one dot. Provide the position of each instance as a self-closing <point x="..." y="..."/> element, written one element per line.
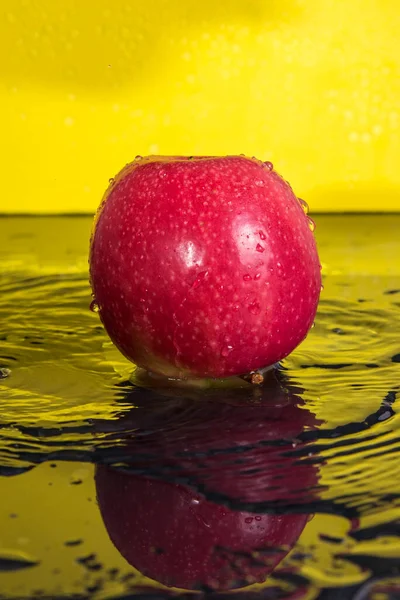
<point x="112" y="488"/>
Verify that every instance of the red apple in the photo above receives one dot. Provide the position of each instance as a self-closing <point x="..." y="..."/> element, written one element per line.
<point x="231" y="454"/>
<point x="173" y="535"/>
<point x="204" y="266"/>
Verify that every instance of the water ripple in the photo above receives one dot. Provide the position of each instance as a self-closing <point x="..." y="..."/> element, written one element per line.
<point x="320" y="437"/>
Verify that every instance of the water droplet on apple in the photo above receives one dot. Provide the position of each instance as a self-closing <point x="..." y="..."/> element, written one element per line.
<point x="303" y="205"/>
<point x="226" y="350"/>
<point x="257" y="276"/>
<point x="248" y="520"/>
<point x="259" y="183"/>
<point x="289" y="186"/>
<point x="138" y="157"/>
<point x="111" y="181"/>
<point x="94" y="307"/>
<point x="247" y="277"/>
<point x="262" y="235"/>
<point x="254" y="308"/>
<point x="258" y="518"/>
<point x="269" y="165"/>
<point x="311" y="224"/>
<point x="260" y="248"/>
<point x="322" y="287"/>
<point x="199" y="279"/>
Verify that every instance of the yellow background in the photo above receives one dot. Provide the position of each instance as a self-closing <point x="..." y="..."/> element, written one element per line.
<point x="311" y="85"/>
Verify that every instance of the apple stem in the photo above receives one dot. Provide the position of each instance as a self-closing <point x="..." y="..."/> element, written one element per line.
<point x="257" y="378"/>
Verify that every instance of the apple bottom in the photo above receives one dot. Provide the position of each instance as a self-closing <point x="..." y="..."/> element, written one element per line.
<point x="177" y="537"/>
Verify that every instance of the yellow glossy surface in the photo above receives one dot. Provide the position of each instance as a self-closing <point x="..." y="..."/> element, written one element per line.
<point x="63" y="398"/>
<point x="311" y="85"/>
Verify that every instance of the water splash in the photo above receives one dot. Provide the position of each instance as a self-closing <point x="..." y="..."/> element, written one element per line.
<point x="4" y="373"/>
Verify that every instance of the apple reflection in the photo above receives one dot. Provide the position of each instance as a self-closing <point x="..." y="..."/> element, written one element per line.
<point x="209" y="495"/>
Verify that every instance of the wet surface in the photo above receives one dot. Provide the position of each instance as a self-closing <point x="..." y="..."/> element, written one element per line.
<point x="114" y="486"/>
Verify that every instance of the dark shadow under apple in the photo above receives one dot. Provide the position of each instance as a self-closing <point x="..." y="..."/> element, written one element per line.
<point x="172" y="507"/>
